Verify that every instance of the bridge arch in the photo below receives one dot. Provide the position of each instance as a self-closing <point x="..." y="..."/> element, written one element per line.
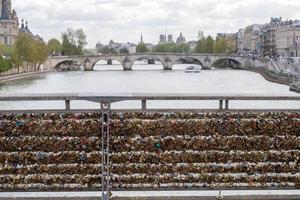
<point x="189" y="60"/>
<point x="108" y="61"/>
<point x="226" y="63"/>
<point x="150" y="59"/>
<point x="67" y="65"/>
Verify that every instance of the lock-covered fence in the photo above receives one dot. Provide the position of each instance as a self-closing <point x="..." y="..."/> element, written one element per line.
<point x="148" y="151"/>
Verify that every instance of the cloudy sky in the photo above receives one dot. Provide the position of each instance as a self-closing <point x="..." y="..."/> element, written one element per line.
<point x="125" y="20"/>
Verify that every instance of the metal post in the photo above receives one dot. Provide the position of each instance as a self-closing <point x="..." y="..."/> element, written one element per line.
<point x="105" y="110"/>
<point x="144" y="104"/>
<point x="221" y="105"/>
<point x="68" y="104"/>
<point x="226" y="104"/>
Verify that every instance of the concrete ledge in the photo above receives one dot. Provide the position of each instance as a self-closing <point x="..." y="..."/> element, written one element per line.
<point x="159" y="195"/>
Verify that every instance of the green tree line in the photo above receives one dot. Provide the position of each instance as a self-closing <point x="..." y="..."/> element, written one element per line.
<point x="26" y="49"/>
<point x="73" y="43"/>
<point x="219" y="46"/>
<point x="204" y="45"/>
<point x="172" y="48"/>
<point x="35" y="52"/>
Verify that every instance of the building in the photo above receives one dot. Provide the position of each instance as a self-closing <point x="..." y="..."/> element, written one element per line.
<point x="170" y="38"/>
<point x="231" y="39"/>
<point x="287" y="40"/>
<point x="276" y="38"/>
<point x="162" y="39"/>
<point x="252" y="38"/>
<point x="200" y="35"/>
<point x="241" y="41"/>
<point x="118" y="46"/>
<point x="180" y="39"/>
<point x="9" y="24"/>
<point x="129" y="46"/>
<point x="281" y="38"/>
<point x="268" y="37"/>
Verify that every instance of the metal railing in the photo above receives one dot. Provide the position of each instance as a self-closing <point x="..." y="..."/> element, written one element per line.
<point x="224" y="101"/>
<point x="106" y="100"/>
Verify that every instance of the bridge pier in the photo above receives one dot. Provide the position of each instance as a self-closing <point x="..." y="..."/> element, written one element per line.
<point x="109" y="62"/>
<point x="168" y="66"/>
<point x="88" y="65"/>
<point x="127" y="66"/>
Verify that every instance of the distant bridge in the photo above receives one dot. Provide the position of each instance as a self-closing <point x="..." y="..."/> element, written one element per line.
<point x="166" y="59"/>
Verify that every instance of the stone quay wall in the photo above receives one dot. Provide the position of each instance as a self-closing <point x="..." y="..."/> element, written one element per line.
<point x="148" y="151"/>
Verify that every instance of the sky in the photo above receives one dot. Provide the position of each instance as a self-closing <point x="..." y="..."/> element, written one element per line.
<point x="125" y="20"/>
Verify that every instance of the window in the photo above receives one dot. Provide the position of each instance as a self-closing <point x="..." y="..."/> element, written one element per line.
<point x="5" y="39"/>
<point x="292" y="54"/>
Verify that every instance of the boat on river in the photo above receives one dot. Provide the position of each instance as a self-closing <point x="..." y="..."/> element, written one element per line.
<point x="206" y="68"/>
<point x="192" y="69"/>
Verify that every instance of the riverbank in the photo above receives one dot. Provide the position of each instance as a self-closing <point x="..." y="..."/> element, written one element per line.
<point x="14" y="77"/>
<point x="275" y="78"/>
<point x="272" y="77"/>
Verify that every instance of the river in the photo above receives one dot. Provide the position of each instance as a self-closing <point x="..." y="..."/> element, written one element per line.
<point x="147" y="79"/>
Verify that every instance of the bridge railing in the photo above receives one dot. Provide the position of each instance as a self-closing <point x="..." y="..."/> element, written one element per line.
<point x="105" y="101"/>
<point x="223" y="101"/>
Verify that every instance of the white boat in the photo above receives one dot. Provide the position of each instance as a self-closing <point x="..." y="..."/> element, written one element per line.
<point x="193" y="69"/>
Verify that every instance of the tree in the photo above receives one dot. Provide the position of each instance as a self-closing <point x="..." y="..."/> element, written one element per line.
<point x="54" y="47"/>
<point x="124" y="50"/>
<point x="172" y="48"/>
<point x="220" y="45"/>
<point x="24" y="48"/>
<point x="5" y="64"/>
<point x="73" y="42"/>
<point x="67" y="47"/>
<point x="27" y="49"/>
<point x="5" y="51"/>
<point x="142" y="48"/>
<point x="42" y="52"/>
<point x="80" y="39"/>
<point x="108" y="50"/>
<point x="205" y="45"/>
<point x="224" y="45"/>
<point x="210" y="44"/>
<point x="201" y="46"/>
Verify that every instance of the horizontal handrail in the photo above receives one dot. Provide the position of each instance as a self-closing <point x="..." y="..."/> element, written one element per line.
<point x="74" y="111"/>
<point x="144" y="97"/>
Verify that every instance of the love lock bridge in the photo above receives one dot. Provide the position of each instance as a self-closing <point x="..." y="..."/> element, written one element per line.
<point x="244" y="152"/>
<point x="166" y="59"/>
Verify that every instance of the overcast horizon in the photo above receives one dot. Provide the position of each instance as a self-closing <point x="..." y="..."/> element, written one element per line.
<point x="125" y="20"/>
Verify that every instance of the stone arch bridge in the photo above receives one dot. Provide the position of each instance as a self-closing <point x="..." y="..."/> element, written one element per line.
<point x="166" y="59"/>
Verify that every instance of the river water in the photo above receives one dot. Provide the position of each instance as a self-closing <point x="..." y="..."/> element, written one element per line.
<point x="147" y="79"/>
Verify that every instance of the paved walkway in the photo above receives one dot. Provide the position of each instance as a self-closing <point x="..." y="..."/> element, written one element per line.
<point x="159" y="195"/>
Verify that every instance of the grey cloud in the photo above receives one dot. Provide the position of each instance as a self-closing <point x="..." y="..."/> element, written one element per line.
<point x="124" y="20"/>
